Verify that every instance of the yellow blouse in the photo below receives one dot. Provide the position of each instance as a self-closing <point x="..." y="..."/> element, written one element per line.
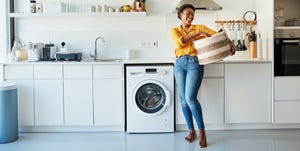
<point x="188" y="48"/>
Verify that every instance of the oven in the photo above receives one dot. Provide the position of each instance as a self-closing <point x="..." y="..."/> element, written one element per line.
<point x="287" y="52"/>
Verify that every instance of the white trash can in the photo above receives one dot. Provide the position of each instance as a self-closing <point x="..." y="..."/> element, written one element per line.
<point x="8" y="112"/>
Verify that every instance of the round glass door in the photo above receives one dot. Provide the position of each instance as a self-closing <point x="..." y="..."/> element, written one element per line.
<point x="150" y="98"/>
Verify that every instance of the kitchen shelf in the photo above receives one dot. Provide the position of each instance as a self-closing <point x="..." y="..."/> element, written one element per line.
<point x="287" y="27"/>
<point x="112" y="14"/>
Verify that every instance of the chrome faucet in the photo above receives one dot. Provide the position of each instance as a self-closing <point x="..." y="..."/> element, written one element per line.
<point x="95" y="54"/>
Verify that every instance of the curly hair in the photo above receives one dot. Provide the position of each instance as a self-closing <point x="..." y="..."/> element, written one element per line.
<point x="182" y="7"/>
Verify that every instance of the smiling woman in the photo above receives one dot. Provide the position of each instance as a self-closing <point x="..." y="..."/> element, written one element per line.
<point x="3" y="30"/>
<point x="187" y="70"/>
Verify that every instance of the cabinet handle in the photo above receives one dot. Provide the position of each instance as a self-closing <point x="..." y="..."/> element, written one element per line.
<point x="291" y="41"/>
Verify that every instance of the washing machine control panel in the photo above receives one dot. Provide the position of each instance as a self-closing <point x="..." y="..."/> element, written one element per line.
<point x="156" y="71"/>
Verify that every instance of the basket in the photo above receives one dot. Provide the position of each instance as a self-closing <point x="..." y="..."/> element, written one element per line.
<point x="214" y="48"/>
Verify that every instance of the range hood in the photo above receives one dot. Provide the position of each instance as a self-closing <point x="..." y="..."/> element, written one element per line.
<point x="201" y="4"/>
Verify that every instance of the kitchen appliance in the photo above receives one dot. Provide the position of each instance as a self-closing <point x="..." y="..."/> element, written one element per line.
<point x="201" y="4"/>
<point x="149" y="98"/>
<point x="48" y="52"/>
<point x="68" y="56"/>
<point x="33" y="52"/>
<point x="287" y="52"/>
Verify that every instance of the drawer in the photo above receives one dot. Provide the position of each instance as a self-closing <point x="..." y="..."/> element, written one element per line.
<point x="48" y="71"/>
<point x="24" y="72"/>
<point x="287" y="112"/>
<point x="78" y="71"/>
<point x="108" y="71"/>
<point x="214" y="70"/>
<point x="287" y="88"/>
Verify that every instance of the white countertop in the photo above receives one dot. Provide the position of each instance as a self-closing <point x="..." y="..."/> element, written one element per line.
<point x="133" y="61"/>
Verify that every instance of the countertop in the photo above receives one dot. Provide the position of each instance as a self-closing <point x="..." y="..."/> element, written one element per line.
<point x="132" y="61"/>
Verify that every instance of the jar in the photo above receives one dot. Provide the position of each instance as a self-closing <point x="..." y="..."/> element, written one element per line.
<point x="143" y="5"/>
<point x="133" y="5"/>
<point x="32" y="6"/>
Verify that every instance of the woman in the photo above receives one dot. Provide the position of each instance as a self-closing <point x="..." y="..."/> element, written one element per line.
<point x="188" y="72"/>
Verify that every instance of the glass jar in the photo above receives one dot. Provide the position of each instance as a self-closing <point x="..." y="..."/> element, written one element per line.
<point x="32" y="6"/>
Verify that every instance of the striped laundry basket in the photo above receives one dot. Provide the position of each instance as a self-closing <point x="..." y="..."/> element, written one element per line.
<point x="214" y="48"/>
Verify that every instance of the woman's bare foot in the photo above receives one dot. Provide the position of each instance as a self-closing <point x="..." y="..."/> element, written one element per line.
<point x="202" y="141"/>
<point x="191" y="137"/>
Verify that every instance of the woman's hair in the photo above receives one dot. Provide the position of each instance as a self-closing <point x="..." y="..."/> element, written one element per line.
<point x="182" y="7"/>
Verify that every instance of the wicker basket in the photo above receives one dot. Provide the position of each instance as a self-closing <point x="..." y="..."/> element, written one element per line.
<point x="213" y="48"/>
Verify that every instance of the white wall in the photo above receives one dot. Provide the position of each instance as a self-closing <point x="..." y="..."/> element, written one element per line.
<point x="3" y="30"/>
<point x="122" y="33"/>
<point x="265" y="24"/>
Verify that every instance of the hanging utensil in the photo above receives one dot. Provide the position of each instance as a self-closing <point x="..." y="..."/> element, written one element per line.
<point x="244" y="35"/>
<point x="239" y="46"/>
<point x="230" y="27"/>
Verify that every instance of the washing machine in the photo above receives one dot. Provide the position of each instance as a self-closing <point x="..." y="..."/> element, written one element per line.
<point x="149" y="98"/>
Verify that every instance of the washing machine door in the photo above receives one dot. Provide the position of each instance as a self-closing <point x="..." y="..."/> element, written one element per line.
<point x="151" y="97"/>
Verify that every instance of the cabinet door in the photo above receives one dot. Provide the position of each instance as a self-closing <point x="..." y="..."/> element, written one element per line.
<point x="248" y="93"/>
<point x="287" y="88"/>
<point x="23" y="76"/>
<point x="78" y="101"/>
<point x="1" y="73"/>
<point x="108" y="102"/>
<point x="25" y="102"/>
<point x="211" y="98"/>
<point x="287" y="112"/>
<point x="48" y="102"/>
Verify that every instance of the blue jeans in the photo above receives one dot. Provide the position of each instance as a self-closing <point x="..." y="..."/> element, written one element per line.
<point x="188" y="76"/>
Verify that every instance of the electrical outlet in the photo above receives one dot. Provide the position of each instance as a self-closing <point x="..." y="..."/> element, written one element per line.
<point x="149" y="44"/>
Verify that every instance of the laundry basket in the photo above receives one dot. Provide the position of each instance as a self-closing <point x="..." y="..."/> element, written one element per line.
<point x="213" y="48"/>
<point x="8" y="112"/>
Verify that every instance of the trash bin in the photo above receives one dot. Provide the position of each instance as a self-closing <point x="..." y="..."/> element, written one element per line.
<point x="8" y="112"/>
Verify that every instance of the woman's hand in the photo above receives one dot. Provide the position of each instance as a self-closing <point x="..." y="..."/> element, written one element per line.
<point x="232" y="48"/>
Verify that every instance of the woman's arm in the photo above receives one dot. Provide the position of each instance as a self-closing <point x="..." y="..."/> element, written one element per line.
<point x="194" y="36"/>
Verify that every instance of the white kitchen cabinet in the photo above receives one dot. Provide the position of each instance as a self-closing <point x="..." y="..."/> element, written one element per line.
<point x="78" y="95"/>
<point x="23" y="76"/>
<point x="287" y="112"/>
<point x="287" y="88"/>
<point x="210" y="96"/>
<point x="108" y="95"/>
<point x="48" y="94"/>
<point x="248" y="93"/>
<point x="287" y="99"/>
<point x="1" y="73"/>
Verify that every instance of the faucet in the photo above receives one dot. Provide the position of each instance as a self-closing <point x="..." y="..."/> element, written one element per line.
<point x="95" y="54"/>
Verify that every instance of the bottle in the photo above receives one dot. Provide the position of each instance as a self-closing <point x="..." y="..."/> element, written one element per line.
<point x="259" y="47"/>
<point x="143" y="5"/>
<point x="133" y="6"/>
<point x="32" y="6"/>
<point x="137" y="5"/>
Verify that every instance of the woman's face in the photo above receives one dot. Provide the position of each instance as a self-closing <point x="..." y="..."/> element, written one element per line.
<point x="187" y="16"/>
